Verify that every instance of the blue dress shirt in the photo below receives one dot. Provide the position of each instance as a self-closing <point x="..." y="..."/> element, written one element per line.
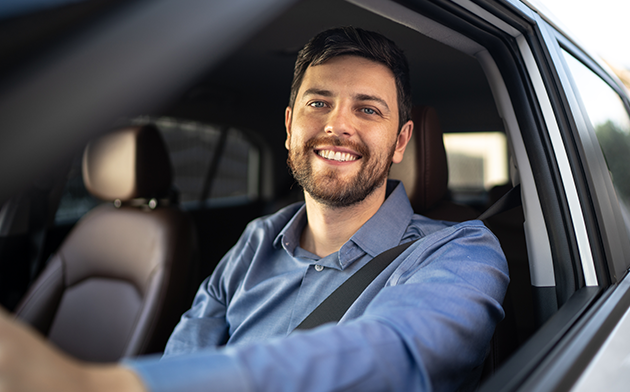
<point x="421" y="325"/>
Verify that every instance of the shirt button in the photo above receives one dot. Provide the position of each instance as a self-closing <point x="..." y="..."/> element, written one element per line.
<point x="319" y="268"/>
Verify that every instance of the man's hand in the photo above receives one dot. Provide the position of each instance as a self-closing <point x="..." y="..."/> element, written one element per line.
<point x="30" y="364"/>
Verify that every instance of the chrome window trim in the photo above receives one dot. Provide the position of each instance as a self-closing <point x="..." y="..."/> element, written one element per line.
<point x="562" y="159"/>
<point x="612" y="226"/>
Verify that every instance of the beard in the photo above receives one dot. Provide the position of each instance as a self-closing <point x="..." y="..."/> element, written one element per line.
<point x="327" y="186"/>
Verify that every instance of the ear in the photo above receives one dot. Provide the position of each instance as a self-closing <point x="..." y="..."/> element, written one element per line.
<point x="288" y="116"/>
<point x="401" y="143"/>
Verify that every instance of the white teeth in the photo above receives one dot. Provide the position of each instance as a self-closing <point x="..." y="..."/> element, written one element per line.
<point x="337" y="156"/>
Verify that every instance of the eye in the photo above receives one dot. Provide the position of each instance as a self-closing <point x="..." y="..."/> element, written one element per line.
<point x="317" y="104"/>
<point x="369" y="111"/>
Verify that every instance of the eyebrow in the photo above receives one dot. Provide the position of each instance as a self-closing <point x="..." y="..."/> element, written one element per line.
<point x="358" y="97"/>
<point x="317" y="91"/>
<point x="367" y="97"/>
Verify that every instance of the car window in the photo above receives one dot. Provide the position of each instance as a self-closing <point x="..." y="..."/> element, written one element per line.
<point x="212" y="165"/>
<point x="477" y="162"/>
<point x="75" y="200"/>
<point x="610" y="120"/>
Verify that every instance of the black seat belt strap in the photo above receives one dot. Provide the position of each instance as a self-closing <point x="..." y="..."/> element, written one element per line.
<point x="337" y="303"/>
<point x="511" y="199"/>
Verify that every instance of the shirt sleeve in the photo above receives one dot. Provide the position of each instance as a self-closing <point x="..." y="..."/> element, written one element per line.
<point x="424" y="331"/>
<point x="204" y="325"/>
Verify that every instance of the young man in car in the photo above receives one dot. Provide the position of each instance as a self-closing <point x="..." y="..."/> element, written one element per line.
<point x="422" y="324"/>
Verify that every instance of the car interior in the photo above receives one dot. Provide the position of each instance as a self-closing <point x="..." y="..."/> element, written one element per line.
<point x="65" y="239"/>
<point x="117" y="284"/>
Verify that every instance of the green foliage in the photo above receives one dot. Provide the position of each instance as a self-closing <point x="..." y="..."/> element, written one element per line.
<point x="615" y="144"/>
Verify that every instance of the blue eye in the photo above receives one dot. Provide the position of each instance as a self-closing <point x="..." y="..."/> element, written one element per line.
<point x="368" y="111"/>
<point x="317" y="104"/>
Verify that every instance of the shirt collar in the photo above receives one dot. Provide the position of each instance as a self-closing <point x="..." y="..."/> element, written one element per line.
<point x="382" y="231"/>
<point x="289" y="237"/>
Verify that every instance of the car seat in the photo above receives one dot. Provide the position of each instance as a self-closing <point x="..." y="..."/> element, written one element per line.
<point x="119" y="282"/>
<point x="424" y="170"/>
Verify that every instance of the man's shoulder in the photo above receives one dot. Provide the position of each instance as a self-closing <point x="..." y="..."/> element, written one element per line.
<point x="420" y="226"/>
<point x="452" y="246"/>
<point x="425" y="226"/>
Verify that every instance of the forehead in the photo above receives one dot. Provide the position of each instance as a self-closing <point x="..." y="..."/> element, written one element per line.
<point x="351" y="74"/>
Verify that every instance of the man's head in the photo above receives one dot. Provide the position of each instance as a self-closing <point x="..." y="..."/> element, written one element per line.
<point x="357" y="42"/>
<point x="343" y="125"/>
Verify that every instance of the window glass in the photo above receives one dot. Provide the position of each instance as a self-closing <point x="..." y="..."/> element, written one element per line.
<point x="75" y="200"/>
<point x="477" y="161"/>
<point x="237" y="176"/>
<point x="611" y="123"/>
<point x="192" y="147"/>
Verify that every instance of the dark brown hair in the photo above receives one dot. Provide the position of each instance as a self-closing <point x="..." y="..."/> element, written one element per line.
<point x="357" y="42"/>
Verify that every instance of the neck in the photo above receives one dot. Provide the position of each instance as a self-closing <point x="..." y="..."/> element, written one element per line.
<point x="328" y="228"/>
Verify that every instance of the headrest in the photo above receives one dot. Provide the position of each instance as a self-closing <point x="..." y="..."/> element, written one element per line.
<point x="127" y="164"/>
<point x="424" y="169"/>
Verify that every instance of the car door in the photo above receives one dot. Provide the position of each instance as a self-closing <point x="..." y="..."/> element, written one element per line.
<point x="584" y="110"/>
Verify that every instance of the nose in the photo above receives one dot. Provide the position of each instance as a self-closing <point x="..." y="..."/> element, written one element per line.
<point x="339" y="123"/>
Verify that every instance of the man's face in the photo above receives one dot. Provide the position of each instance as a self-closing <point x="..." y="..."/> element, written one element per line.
<point x="342" y="130"/>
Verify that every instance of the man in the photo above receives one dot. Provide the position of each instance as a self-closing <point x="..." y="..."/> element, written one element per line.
<point x="422" y="324"/>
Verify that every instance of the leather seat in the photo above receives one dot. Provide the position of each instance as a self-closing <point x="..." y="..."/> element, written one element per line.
<point x="119" y="282"/>
<point x="424" y="170"/>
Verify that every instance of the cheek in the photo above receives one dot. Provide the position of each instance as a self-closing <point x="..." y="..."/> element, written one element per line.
<point x="382" y="142"/>
<point x="301" y="133"/>
<point x="295" y="141"/>
<point x="308" y="122"/>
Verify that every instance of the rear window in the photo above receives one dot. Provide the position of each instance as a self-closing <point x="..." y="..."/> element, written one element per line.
<point x="212" y="165"/>
<point x="477" y="162"/>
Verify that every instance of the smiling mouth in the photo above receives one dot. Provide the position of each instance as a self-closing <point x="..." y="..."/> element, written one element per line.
<point x="337" y="156"/>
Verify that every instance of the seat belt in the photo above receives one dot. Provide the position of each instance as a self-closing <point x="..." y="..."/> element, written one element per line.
<point x="339" y="301"/>
<point x="511" y="199"/>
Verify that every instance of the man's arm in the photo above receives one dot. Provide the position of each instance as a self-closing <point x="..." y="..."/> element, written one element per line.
<point x="29" y="364"/>
<point x="425" y="330"/>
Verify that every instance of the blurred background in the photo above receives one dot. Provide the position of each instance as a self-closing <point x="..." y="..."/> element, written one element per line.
<point x="601" y="26"/>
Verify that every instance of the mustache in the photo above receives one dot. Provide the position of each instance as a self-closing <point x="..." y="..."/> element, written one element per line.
<point x="336" y="141"/>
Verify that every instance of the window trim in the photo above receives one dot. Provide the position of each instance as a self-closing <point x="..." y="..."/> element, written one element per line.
<point x="604" y="205"/>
